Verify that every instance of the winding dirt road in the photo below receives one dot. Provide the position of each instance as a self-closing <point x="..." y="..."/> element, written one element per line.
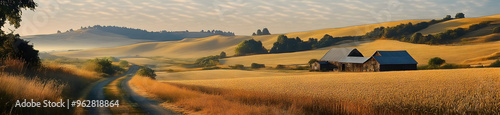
<point x="148" y="106"/>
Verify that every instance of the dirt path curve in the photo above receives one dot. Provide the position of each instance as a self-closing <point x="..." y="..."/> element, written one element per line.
<point x="97" y="93"/>
<point x="149" y="106"/>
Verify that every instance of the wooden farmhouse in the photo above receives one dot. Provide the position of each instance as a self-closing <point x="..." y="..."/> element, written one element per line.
<point x="351" y="60"/>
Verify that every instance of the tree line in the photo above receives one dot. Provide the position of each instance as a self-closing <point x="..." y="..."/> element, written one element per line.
<point x="284" y="44"/>
<point x="402" y="32"/>
<point x="264" y="31"/>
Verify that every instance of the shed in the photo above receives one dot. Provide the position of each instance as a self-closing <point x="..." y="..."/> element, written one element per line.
<point x="393" y="60"/>
<point x="322" y="66"/>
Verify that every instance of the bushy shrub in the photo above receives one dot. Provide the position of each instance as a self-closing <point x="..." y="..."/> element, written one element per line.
<point x="100" y="65"/>
<point x="147" y="72"/>
<point x="13" y="47"/>
<point x="207" y="61"/>
<point x="436" y="62"/>
<point x="256" y="65"/>
<point x="210" y="68"/>
<point x="123" y="63"/>
<point x="238" y="66"/>
<point x="280" y="66"/>
<point x="112" y="59"/>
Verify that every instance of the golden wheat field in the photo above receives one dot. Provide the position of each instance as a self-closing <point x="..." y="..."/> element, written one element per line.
<point x="217" y="74"/>
<point x="457" y="90"/>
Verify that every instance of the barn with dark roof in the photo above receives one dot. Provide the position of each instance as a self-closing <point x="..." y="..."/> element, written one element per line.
<point x="393" y="61"/>
<point x="351" y="60"/>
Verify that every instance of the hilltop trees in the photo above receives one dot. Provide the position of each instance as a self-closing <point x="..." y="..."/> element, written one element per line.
<point x="250" y="47"/>
<point x="264" y="31"/>
<point x="285" y="44"/>
<point x="460" y="15"/>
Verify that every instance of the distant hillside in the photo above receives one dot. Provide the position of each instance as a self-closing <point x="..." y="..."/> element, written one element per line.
<point x="109" y="36"/>
<point x="160" y="35"/>
<point x="200" y="47"/>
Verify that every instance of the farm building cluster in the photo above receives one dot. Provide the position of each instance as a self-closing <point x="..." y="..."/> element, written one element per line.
<point x="351" y="60"/>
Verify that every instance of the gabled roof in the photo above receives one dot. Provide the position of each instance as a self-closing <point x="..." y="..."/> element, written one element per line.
<point x="394" y="57"/>
<point x="337" y="54"/>
<point x="355" y="59"/>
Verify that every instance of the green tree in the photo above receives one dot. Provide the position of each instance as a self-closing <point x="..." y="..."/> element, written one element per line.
<point x="123" y="63"/>
<point x="460" y="15"/>
<point x="496" y="30"/>
<point x="448" y="17"/>
<point x="147" y="72"/>
<point x="250" y="47"/>
<point x="253" y="34"/>
<point x="11" y="45"/>
<point x="11" y="10"/>
<point x="222" y="55"/>
<point x="100" y="65"/>
<point x="265" y="32"/>
<point x="416" y="37"/>
<point x="436" y="62"/>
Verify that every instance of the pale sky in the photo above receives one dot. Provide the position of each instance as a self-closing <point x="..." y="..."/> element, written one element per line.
<point x="240" y="16"/>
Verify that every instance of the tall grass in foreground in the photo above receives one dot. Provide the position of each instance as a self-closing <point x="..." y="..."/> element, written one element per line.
<point x="14" y="88"/>
<point x="48" y="82"/>
<point x="204" y="100"/>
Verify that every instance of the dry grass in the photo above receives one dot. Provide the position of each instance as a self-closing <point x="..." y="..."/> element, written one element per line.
<point x="217" y="74"/>
<point x="49" y="82"/>
<point x="204" y="100"/>
<point x="13" y="88"/>
<point x="457" y="91"/>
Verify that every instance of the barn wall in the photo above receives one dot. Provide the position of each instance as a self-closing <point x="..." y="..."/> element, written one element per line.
<point x="315" y="66"/>
<point x="397" y="67"/>
<point x="371" y="65"/>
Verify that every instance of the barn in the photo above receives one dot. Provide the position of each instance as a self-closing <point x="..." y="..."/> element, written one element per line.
<point x="351" y="60"/>
<point x="391" y="61"/>
<point x="334" y="58"/>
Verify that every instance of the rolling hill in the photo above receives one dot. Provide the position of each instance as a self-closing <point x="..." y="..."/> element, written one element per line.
<point x="194" y="48"/>
<point x="108" y="36"/>
<point x="213" y="45"/>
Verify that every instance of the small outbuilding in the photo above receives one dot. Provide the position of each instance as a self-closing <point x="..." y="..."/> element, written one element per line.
<point x="392" y="61"/>
<point x="322" y="66"/>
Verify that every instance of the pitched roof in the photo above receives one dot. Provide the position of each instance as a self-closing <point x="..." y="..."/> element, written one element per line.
<point x="337" y="54"/>
<point x="354" y="59"/>
<point x="394" y="57"/>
